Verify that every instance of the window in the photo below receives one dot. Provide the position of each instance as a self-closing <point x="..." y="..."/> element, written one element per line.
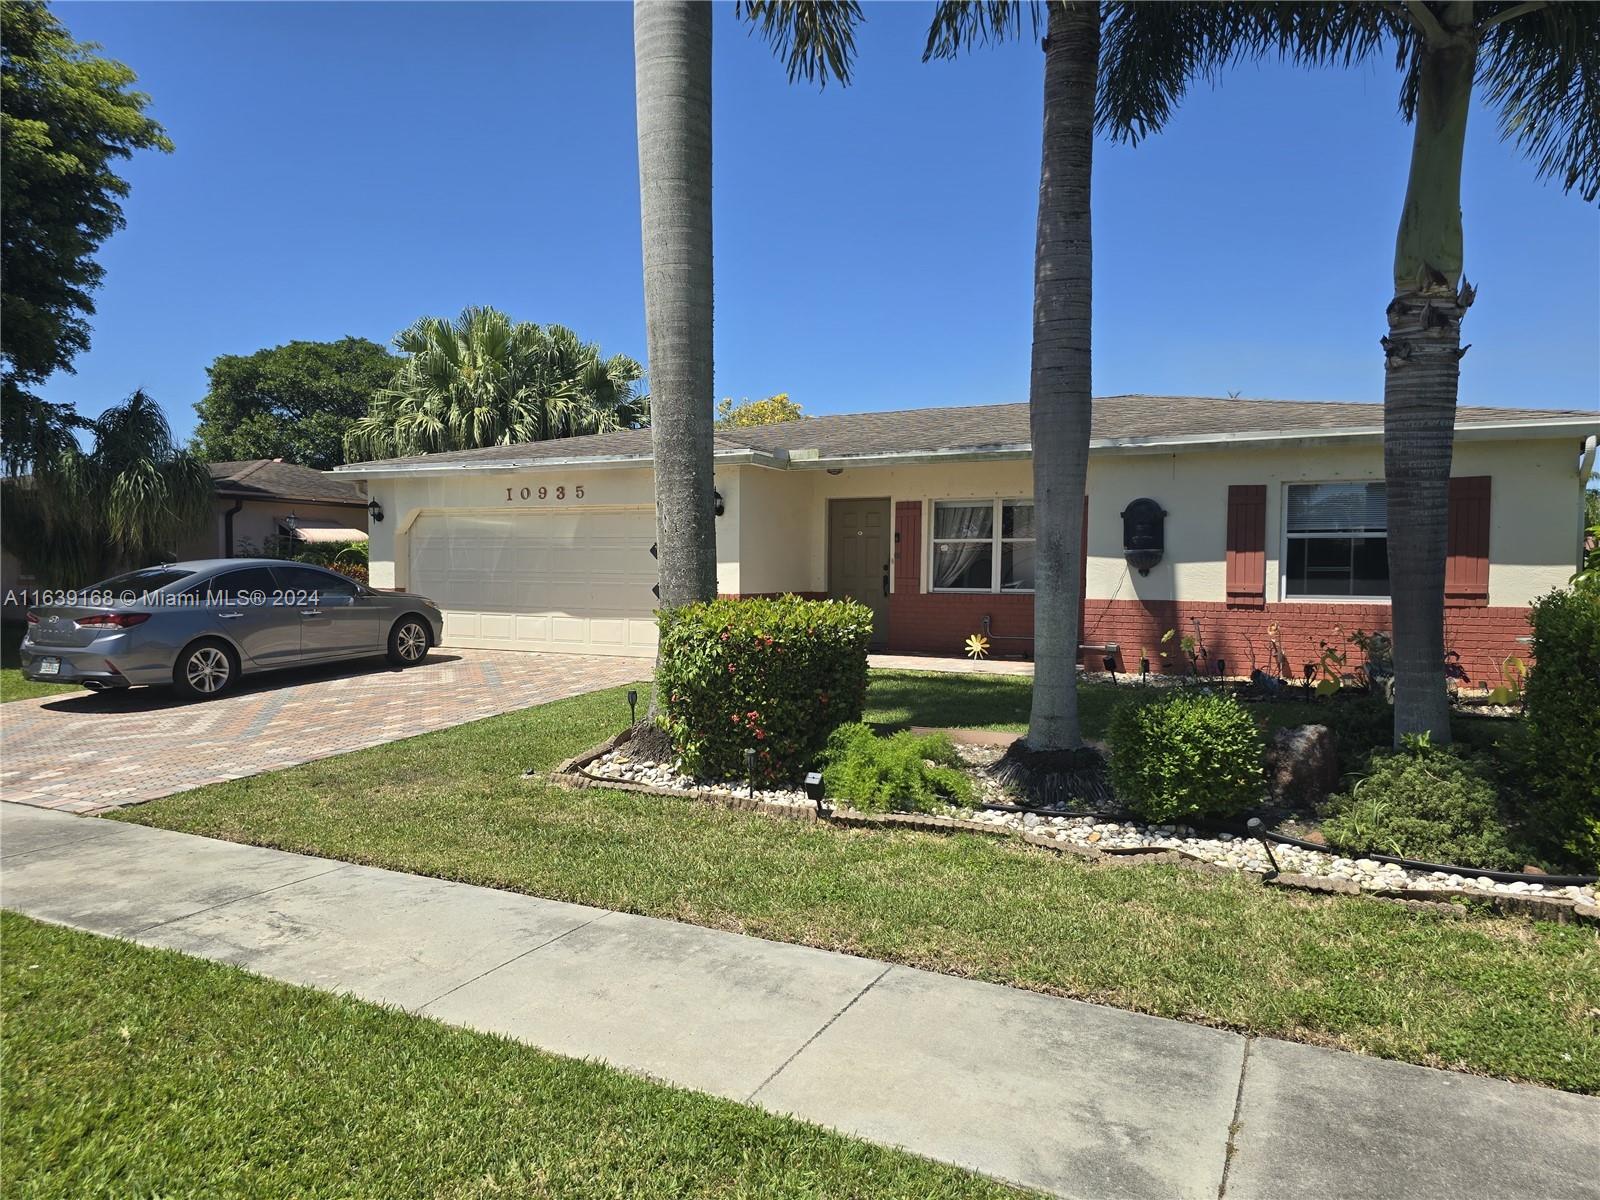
<point x="248" y="585"/>
<point x="983" y="546"/>
<point x="322" y="584"/>
<point x="1337" y="541"/>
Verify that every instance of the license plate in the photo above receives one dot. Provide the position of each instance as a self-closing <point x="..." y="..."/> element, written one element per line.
<point x="49" y="666"/>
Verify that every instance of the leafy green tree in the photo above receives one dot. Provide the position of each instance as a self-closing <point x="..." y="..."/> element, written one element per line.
<point x="773" y="410"/>
<point x="68" y="115"/>
<point x="129" y="500"/>
<point x="485" y="380"/>
<point x="293" y="402"/>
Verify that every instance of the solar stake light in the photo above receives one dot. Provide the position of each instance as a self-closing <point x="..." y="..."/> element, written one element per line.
<point x="814" y="790"/>
<point x="1222" y="667"/>
<point x="1109" y="662"/>
<point x="750" y="769"/>
<point x="1254" y="826"/>
<point x="633" y="707"/>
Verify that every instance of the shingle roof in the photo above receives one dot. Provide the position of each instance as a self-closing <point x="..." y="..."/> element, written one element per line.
<point x="271" y="479"/>
<point x="988" y="426"/>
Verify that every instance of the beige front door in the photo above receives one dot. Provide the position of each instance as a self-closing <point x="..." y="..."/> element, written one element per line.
<point x="859" y="550"/>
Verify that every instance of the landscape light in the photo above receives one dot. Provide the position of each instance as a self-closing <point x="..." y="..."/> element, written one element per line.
<point x="633" y="707"/>
<point x="750" y="769"/>
<point x="814" y="790"/>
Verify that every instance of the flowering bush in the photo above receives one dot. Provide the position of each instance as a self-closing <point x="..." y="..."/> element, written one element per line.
<point x="774" y="676"/>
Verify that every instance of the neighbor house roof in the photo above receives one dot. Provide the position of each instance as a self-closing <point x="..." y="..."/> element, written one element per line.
<point x="274" y="479"/>
<point x="995" y="430"/>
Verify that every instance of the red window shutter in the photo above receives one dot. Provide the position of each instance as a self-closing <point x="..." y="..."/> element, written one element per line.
<point x="1466" y="564"/>
<point x="908" y="546"/>
<point x="1247" y="545"/>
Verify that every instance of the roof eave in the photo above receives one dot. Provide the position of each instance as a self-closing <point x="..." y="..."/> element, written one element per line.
<point x="734" y="458"/>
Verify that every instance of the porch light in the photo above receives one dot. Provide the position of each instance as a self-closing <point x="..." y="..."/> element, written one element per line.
<point x="374" y="509"/>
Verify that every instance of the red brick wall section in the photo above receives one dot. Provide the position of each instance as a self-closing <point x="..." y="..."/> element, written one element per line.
<point x="940" y="623"/>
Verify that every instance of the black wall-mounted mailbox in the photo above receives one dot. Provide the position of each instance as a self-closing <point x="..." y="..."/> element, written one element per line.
<point x="1144" y="535"/>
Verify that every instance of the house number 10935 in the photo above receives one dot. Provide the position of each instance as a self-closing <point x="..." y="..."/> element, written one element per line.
<point x="544" y="493"/>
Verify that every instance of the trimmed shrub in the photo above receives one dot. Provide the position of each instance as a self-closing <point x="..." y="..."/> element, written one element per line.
<point x="1562" y="701"/>
<point x="1423" y="803"/>
<point x="906" y="773"/>
<point x="1188" y="755"/>
<point x="773" y="675"/>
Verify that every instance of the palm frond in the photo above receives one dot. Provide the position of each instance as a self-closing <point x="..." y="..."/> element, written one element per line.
<point x="1541" y="69"/>
<point x="815" y="38"/>
<point x="960" y="24"/>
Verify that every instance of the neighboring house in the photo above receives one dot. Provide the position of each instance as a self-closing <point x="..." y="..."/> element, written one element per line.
<point x="1274" y="512"/>
<point x="266" y="498"/>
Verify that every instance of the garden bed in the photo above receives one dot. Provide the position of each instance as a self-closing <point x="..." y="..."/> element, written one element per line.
<point x="1107" y="835"/>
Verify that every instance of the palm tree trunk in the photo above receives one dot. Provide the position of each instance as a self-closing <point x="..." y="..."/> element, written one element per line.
<point x="1421" y="373"/>
<point x="672" y="66"/>
<point x="1060" y="386"/>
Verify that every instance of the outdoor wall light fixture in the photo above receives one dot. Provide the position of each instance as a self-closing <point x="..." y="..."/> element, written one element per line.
<point x="814" y="789"/>
<point x="721" y="508"/>
<point x="750" y="769"/>
<point x="633" y="707"/>
<point x="835" y="470"/>
<point x="1143" y="534"/>
<point x="375" y="509"/>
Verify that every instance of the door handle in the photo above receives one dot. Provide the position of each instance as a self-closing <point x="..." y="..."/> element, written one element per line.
<point x="230" y="616"/>
<point x="310" y="612"/>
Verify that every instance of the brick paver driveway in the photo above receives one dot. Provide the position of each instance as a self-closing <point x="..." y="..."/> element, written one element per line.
<point x="82" y="752"/>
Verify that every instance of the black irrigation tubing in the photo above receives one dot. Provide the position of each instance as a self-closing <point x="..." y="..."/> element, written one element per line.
<point x="1285" y="839"/>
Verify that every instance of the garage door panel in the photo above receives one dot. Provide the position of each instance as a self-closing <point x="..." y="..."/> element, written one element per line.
<point x="576" y="581"/>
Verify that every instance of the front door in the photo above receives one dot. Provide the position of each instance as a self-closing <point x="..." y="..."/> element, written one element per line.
<point x="859" y="553"/>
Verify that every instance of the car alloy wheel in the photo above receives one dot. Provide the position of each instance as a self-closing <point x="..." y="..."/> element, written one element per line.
<point x="411" y="642"/>
<point x="208" y="670"/>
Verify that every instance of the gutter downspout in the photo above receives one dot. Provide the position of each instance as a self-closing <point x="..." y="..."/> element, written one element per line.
<point x="227" y="526"/>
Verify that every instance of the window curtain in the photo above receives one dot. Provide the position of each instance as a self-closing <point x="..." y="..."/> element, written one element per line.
<point x="957" y="527"/>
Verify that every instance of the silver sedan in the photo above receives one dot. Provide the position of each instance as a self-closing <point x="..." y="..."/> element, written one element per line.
<point x="199" y="626"/>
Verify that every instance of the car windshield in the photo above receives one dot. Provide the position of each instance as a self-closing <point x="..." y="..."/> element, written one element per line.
<point x="139" y="583"/>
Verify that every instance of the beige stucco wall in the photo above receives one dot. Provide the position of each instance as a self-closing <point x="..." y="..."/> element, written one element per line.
<point x="773" y="535"/>
<point x="1534" y="525"/>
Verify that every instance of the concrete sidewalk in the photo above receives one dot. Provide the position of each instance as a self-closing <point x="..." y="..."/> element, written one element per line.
<point x="1070" y="1098"/>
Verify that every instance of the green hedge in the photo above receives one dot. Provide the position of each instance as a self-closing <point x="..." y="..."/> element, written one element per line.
<point x="1191" y="754"/>
<point x="1562" y="700"/>
<point x="775" y="675"/>
<point x="908" y="772"/>
<point x="1423" y="803"/>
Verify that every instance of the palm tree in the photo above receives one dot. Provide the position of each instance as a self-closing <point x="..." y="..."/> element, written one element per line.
<point x="128" y="501"/>
<point x="816" y="40"/>
<point x="672" y="70"/>
<point x="485" y="380"/>
<point x="1540" y="65"/>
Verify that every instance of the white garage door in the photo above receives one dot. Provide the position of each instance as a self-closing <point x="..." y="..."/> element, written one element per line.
<point x="573" y="581"/>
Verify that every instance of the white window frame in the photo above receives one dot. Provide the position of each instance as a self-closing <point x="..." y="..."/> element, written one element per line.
<point x="1284" y="539"/>
<point x="997" y="542"/>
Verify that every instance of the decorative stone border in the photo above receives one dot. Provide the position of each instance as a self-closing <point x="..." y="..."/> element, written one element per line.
<point x="572" y="773"/>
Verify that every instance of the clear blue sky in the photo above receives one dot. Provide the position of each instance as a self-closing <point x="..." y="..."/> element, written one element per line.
<point x="346" y="168"/>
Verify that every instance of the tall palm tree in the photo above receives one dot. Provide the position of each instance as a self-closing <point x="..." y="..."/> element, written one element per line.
<point x="672" y="72"/>
<point x="1539" y="63"/>
<point x="131" y="499"/>
<point x="816" y="41"/>
<point x="485" y="380"/>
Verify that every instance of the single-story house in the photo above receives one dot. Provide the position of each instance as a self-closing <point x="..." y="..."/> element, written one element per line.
<point x="1222" y="516"/>
<point x="266" y="499"/>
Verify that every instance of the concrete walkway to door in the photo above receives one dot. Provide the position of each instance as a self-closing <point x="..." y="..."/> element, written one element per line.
<point x="1071" y="1098"/>
<point x="87" y="751"/>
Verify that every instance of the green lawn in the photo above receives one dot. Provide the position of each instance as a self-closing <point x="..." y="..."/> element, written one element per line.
<point x="1502" y="996"/>
<point x="12" y="685"/>
<point x="138" y="1072"/>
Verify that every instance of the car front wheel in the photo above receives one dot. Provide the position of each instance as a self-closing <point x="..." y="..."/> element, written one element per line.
<point x="408" y="642"/>
<point x="205" y="671"/>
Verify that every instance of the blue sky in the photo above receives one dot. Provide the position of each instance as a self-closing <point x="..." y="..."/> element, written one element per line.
<point x="346" y="168"/>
